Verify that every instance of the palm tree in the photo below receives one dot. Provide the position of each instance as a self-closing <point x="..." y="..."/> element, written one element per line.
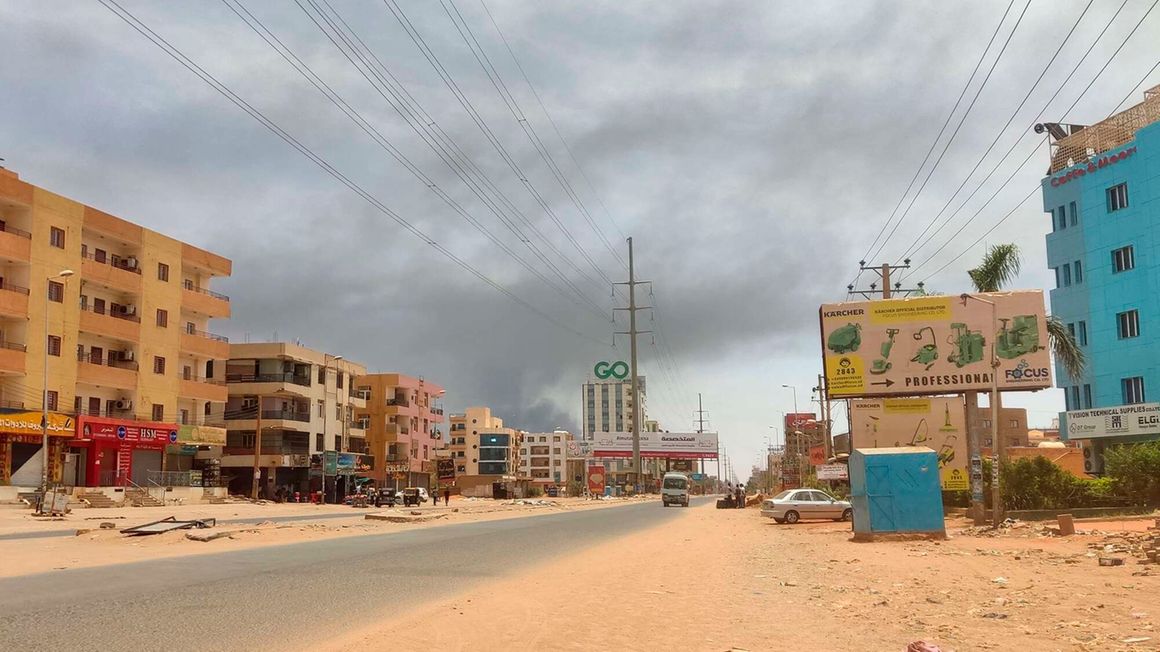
<point x="999" y="267"/>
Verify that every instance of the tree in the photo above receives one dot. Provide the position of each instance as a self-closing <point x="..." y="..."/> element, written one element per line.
<point x="999" y="267"/>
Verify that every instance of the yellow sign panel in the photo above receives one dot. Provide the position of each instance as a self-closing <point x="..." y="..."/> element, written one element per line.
<point x="29" y="423"/>
<point x="929" y="346"/>
<point x="201" y="435"/>
<point x="938" y="423"/>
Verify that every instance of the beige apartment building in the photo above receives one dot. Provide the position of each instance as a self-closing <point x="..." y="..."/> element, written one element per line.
<point x="1012" y="426"/>
<point x="403" y="419"/>
<point x="121" y="314"/>
<point x="544" y="458"/>
<point x="487" y="455"/>
<point x="304" y="403"/>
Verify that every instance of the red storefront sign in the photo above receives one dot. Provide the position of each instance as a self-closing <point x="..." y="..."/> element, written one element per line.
<point x="596" y="479"/>
<point x="137" y="434"/>
<point x="798" y="420"/>
<point x="1092" y="166"/>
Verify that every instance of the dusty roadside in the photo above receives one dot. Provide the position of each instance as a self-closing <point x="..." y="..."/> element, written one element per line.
<point x="723" y="579"/>
<point x="98" y="547"/>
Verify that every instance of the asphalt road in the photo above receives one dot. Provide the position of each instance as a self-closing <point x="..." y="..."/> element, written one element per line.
<point x="287" y="597"/>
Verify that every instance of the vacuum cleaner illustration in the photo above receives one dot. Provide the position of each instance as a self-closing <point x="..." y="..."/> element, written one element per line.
<point x="928" y="352"/>
<point x="968" y="345"/>
<point x="882" y="365"/>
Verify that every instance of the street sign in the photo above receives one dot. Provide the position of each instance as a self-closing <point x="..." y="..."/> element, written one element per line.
<point x="833" y="472"/>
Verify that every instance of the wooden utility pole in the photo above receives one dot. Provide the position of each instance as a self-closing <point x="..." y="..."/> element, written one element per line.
<point x="888" y="289"/>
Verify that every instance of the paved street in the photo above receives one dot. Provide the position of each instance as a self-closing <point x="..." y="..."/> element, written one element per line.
<point x="287" y="597"/>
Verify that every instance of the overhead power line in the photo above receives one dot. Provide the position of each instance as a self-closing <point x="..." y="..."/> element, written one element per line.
<point x="176" y="54"/>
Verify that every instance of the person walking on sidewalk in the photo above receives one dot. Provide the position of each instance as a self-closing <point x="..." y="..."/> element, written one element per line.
<point x="435" y="497"/>
<point x="447" y="496"/>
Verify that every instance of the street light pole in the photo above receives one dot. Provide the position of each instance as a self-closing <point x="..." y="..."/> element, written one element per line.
<point x="64" y="273"/>
<point x="325" y="417"/>
<point x="998" y="451"/>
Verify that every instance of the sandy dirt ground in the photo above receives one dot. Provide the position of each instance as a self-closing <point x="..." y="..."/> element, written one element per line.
<point x="730" y="579"/>
<point x="97" y="547"/>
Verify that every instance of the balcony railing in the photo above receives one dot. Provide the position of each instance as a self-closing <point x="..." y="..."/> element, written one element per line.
<point x="199" y="379"/>
<point x="15" y="231"/>
<point x="269" y="378"/>
<point x="401" y="402"/>
<point x="188" y="285"/>
<point x="18" y="405"/>
<point x="121" y="313"/>
<point x="13" y="346"/>
<point x="12" y="287"/>
<point x="119" y="262"/>
<point x="106" y="360"/>
<point x="364" y="394"/>
<point x="438" y="411"/>
<point x="206" y="335"/>
<point x="287" y="415"/>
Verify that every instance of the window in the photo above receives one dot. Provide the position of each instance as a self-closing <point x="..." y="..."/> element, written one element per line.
<point x="1128" y="324"/>
<point x="1073" y="397"/>
<point x="190" y="328"/>
<point x="158" y="365"/>
<point x="1087" y="397"/>
<point x="95" y="406"/>
<point x="53" y="398"/>
<point x="338" y="379"/>
<point x="55" y="291"/>
<point x="1078" y="272"/>
<point x="97" y="355"/>
<point x="556" y="451"/>
<point x="100" y="256"/>
<point x="338" y="411"/>
<point x="1117" y="197"/>
<point x="338" y="442"/>
<point x="163" y="270"/>
<point x="1082" y="333"/>
<point x="1071" y="330"/>
<point x="1066" y="276"/>
<point x="56" y="237"/>
<point x="1123" y="259"/>
<point x="321" y="408"/>
<point x="158" y="412"/>
<point x="318" y="442"/>
<point x="322" y="376"/>
<point x="1061" y="217"/>
<point x="1133" y="389"/>
<point x="1071" y="209"/>
<point x="162" y="318"/>
<point x="99" y="306"/>
<point x="54" y="345"/>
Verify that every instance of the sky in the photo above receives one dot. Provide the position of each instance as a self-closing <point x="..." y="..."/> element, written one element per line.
<point x="751" y="150"/>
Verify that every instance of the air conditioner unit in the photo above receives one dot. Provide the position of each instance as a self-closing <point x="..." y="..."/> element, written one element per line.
<point x="130" y="310"/>
<point x="127" y="355"/>
<point x="1093" y="458"/>
<point x="124" y="404"/>
<point x="131" y="262"/>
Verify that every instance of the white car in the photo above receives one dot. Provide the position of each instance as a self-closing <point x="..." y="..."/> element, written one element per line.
<point x="792" y="505"/>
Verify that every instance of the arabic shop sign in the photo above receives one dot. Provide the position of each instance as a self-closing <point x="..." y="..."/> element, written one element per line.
<point x="1092" y="167"/>
<point x="26" y="423"/>
<point x="671" y="445"/>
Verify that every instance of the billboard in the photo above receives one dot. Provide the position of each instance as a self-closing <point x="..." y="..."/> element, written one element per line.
<point x="935" y="345"/>
<point x="595" y="479"/>
<point x="833" y="472"/>
<point x="938" y="423"/>
<point x="446" y="467"/>
<point x="798" y="420"/>
<point x="671" y="445"/>
<point x="1142" y="419"/>
<point x="142" y="434"/>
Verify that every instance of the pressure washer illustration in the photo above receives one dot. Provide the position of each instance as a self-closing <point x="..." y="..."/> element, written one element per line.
<point x="882" y="365"/>
<point x="947" y="426"/>
<point x="845" y="339"/>
<point x="946" y="452"/>
<point x="928" y="352"/>
<point x="1020" y="338"/>
<point x="968" y="345"/>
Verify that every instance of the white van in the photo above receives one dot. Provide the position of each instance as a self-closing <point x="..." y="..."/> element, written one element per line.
<point x="675" y="489"/>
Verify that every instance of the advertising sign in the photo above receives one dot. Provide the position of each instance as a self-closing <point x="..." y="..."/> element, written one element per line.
<point x="605" y="370"/>
<point x="681" y="465"/>
<point x="673" y="445"/>
<point x="935" y="345"/>
<point x="141" y="434"/>
<point x="817" y="455"/>
<point x="798" y="420"/>
<point x="596" y="479"/>
<point x="201" y="435"/>
<point x="29" y="423"/>
<point x="833" y="472"/>
<point x="938" y="423"/>
<point x="446" y="470"/>
<point x="1120" y="421"/>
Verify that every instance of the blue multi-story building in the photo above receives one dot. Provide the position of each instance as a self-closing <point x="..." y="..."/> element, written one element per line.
<point x="1103" y="196"/>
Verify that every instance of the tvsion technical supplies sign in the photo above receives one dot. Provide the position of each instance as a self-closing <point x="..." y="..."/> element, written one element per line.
<point x="935" y="345"/>
<point x="1119" y="421"/>
<point x="671" y="445"/>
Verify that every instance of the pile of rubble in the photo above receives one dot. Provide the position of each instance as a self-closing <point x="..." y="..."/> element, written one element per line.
<point x="1144" y="546"/>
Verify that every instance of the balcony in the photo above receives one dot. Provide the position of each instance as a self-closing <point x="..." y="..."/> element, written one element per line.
<point x="13" y="300"/>
<point x="203" y="389"/>
<point x="91" y="371"/>
<point x="113" y="272"/>
<point x="204" y="302"/>
<point x="302" y="416"/>
<point x="12" y="359"/>
<point x="15" y="244"/>
<point x="205" y="344"/>
<point x="120" y="325"/>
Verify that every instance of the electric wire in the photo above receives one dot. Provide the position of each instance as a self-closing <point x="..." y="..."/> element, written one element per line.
<point x="173" y="52"/>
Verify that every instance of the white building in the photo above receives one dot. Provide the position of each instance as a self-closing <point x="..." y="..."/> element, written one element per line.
<point x="544" y="457"/>
<point x="606" y="406"/>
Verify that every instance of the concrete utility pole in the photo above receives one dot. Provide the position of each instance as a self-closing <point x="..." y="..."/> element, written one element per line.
<point x="998" y="450"/>
<point x="824" y="408"/>
<point x="634" y="384"/>
<point x="257" y="450"/>
<point x="884" y="273"/>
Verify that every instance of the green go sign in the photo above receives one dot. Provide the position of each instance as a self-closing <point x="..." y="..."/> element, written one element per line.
<point x="606" y="370"/>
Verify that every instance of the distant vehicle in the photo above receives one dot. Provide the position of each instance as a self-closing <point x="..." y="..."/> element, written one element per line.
<point x="412" y="496"/>
<point x="423" y="495"/>
<point x="793" y="505"/>
<point x="675" y="489"/>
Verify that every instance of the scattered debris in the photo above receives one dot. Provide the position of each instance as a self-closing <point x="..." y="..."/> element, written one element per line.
<point x="413" y="517"/>
<point x="168" y="524"/>
<point x="1111" y="561"/>
<point x="1136" y="639"/>
<point x="995" y="615"/>
<point x="210" y="536"/>
<point x="108" y="526"/>
<point x="1000" y="580"/>
<point x="922" y="646"/>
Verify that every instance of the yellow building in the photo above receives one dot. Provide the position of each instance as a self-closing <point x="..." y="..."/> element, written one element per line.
<point x="487" y="455"/>
<point x="129" y="353"/>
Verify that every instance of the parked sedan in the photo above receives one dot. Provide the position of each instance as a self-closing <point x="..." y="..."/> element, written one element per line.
<point x="793" y="505"/>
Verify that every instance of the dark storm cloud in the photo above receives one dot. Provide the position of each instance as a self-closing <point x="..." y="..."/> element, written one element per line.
<point x="751" y="149"/>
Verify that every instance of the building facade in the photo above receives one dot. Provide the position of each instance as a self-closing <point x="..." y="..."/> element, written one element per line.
<point x="487" y="455"/>
<point x="1013" y="430"/>
<point x="122" y="316"/>
<point x="403" y="421"/>
<point x="1102" y="194"/>
<point x="606" y="406"/>
<point x="304" y="403"/>
<point x="544" y="458"/>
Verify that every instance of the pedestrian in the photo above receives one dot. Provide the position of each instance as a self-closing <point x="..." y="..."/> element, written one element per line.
<point x="447" y="496"/>
<point x="435" y="497"/>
